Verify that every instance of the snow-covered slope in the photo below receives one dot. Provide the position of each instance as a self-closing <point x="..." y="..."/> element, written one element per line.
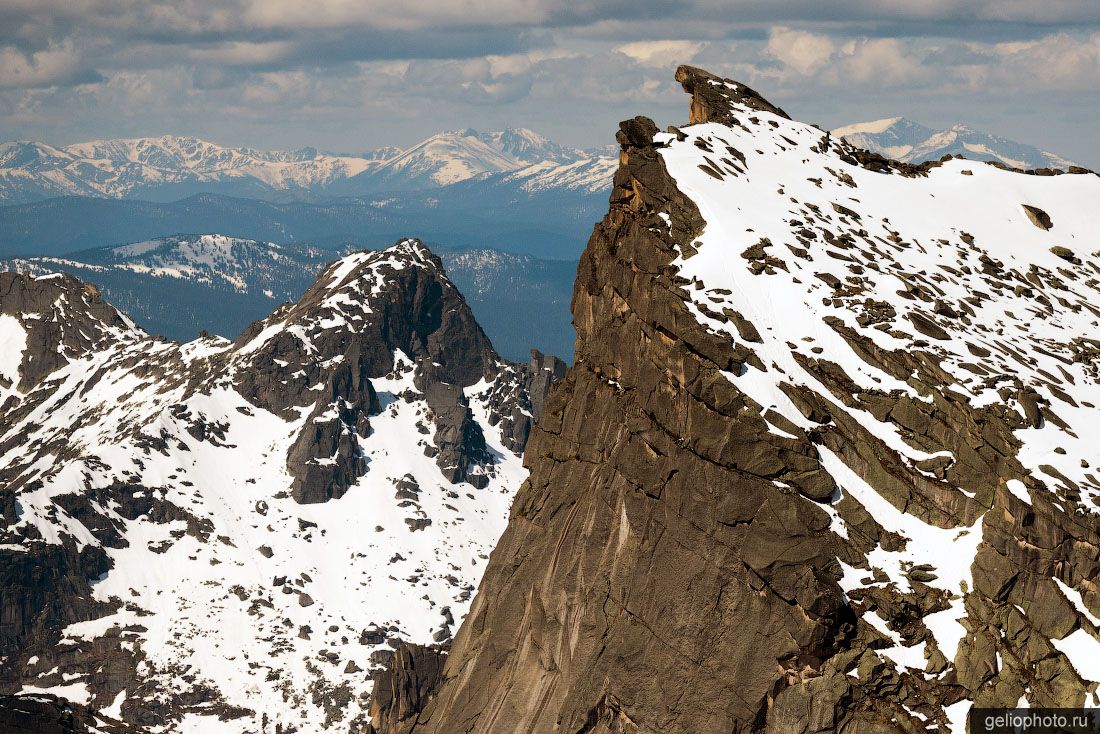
<point x="932" y="330"/>
<point x="243" y="265"/>
<point x="454" y="156"/>
<point x="444" y="158"/>
<point x="528" y="146"/>
<point x="588" y="174"/>
<point x="237" y="532"/>
<point x="904" y="140"/>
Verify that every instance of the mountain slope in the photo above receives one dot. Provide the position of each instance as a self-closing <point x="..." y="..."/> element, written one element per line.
<point x="226" y="536"/>
<point x="453" y="157"/>
<point x="823" y="462"/>
<point x="168" y="284"/>
<point x="444" y="158"/>
<point x="911" y="142"/>
<point x="529" y="147"/>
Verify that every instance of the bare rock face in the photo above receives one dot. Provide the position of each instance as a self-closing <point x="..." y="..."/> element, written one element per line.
<point x="44" y="714"/>
<point x="59" y="318"/>
<point x="405" y="686"/>
<point x="711" y="96"/>
<point x="459" y="442"/>
<point x="543" y="371"/>
<point x="767" y="500"/>
<point x="46" y="587"/>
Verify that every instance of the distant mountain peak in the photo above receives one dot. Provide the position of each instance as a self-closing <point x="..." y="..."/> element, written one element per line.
<point x="910" y="142"/>
<point x="872" y="127"/>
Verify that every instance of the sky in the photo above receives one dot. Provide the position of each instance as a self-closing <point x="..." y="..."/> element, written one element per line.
<point x="354" y="75"/>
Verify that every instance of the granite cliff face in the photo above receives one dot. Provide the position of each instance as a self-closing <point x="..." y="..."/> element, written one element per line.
<point x="232" y="535"/>
<point x="824" y="461"/>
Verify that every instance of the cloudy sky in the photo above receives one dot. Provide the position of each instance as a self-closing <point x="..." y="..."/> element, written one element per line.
<point x="351" y="75"/>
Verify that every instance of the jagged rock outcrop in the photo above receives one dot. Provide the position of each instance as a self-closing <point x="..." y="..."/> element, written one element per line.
<point x="247" y="530"/>
<point x="405" y="686"/>
<point x="543" y="371"/>
<point x="459" y="442"/>
<point x="713" y="98"/>
<point x="516" y="404"/>
<point x="50" y="326"/>
<point x="821" y="463"/>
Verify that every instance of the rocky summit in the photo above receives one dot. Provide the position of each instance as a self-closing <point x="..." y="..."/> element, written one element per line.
<point x="230" y="536"/>
<point x="825" y="461"/>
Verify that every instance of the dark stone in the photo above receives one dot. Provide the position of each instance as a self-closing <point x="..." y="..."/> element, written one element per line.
<point x="410" y="680"/>
<point x="48" y="714"/>
<point x="1038" y="217"/>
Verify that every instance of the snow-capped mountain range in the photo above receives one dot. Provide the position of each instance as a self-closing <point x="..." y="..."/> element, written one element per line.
<point x="451" y="157"/>
<point x="237" y="532"/>
<point x="145" y="166"/>
<point x="170" y="167"/>
<point x="904" y="140"/>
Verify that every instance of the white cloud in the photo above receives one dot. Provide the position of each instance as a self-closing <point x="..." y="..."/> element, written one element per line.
<point x="57" y="65"/>
<point x="661" y="53"/>
<point x="859" y="63"/>
<point x="244" y="53"/>
<point x="1056" y="61"/>
<point x="800" y="50"/>
<point x="876" y="62"/>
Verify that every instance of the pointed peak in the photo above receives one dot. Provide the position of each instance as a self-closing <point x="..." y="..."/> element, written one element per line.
<point x="414" y="251"/>
<point x="363" y="271"/>
<point x="872" y="127"/>
<point x="397" y="299"/>
<point x="413" y="246"/>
